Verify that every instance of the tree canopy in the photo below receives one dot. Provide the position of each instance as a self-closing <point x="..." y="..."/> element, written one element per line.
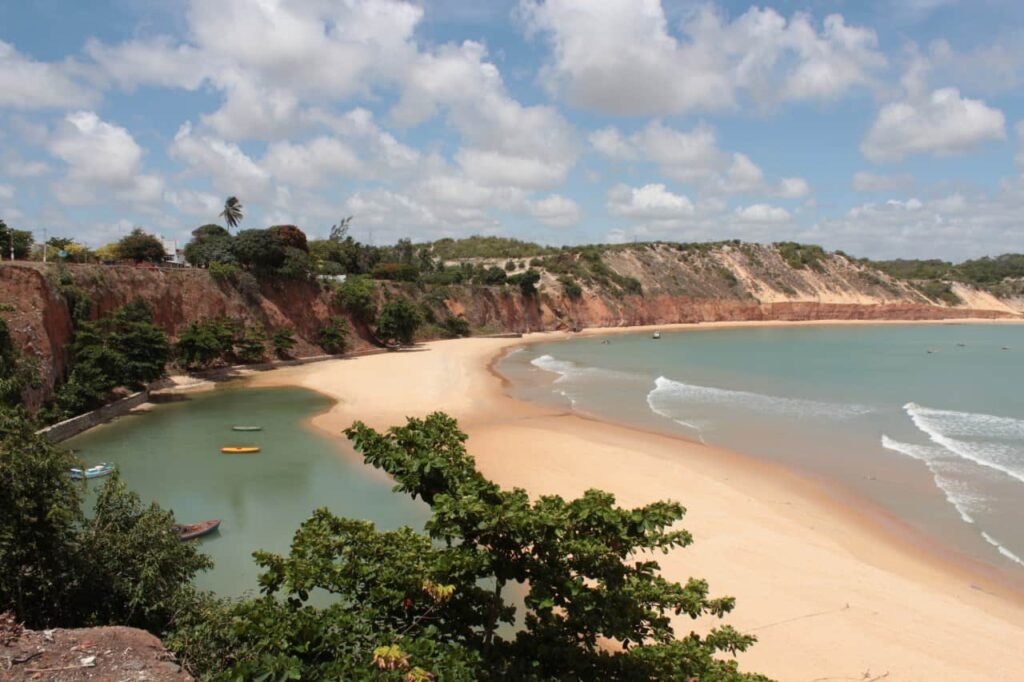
<point x="400" y="605"/>
<point x="140" y="246"/>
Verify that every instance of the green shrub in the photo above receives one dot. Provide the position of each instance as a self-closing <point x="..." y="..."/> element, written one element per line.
<point x="571" y="287"/>
<point x="357" y="295"/>
<point x="333" y="336"/>
<point x="224" y="272"/>
<point x="399" y="319"/>
<point x="526" y="281"/>
<point x="453" y="327"/>
<point x="493" y="276"/>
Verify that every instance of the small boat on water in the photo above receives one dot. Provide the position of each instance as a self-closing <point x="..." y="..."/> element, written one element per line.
<point x="246" y="428"/>
<point x="190" y="531"/>
<point x="101" y="469"/>
<point x="656" y="335"/>
<point x="239" y="449"/>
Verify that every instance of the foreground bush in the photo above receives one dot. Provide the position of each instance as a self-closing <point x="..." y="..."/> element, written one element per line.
<point x="399" y="605"/>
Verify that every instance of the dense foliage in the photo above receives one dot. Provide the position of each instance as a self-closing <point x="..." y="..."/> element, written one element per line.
<point x="124" y="349"/>
<point x="358" y="295"/>
<point x="399" y="319"/>
<point x="123" y="565"/>
<point x="219" y="339"/>
<point x="406" y="606"/>
<point x="16" y="372"/>
<point x="17" y="241"/>
<point x="487" y="247"/>
<point x="333" y="336"/>
<point x="140" y="246"/>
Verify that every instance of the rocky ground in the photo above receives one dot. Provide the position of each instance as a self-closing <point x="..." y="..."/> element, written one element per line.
<point x="118" y="654"/>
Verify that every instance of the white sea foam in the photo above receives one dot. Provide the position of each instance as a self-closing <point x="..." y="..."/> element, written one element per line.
<point x="1002" y="550"/>
<point x="964" y="498"/>
<point x="990" y="448"/>
<point x="669" y="397"/>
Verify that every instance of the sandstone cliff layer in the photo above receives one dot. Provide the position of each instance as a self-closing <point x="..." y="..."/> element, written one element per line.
<point x="678" y="285"/>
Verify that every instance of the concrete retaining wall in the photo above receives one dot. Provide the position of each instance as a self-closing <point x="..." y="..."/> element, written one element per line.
<point x="74" y="426"/>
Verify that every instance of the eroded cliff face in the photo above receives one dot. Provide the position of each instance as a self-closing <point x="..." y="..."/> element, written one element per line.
<point x="679" y="285"/>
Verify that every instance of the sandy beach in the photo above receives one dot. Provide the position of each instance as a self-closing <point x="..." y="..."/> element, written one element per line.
<point x="832" y="593"/>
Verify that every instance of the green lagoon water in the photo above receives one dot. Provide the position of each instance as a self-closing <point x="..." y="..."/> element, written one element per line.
<point x="936" y="438"/>
<point x="172" y="455"/>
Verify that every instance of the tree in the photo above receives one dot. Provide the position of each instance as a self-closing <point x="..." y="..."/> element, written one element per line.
<point x="333" y="336"/>
<point x="358" y="295"/>
<point x="339" y="232"/>
<point x="122" y="566"/>
<point x="125" y="349"/>
<point x="140" y="246"/>
<point x="14" y="243"/>
<point x="16" y="372"/>
<point x="408" y="606"/>
<point x="210" y="244"/>
<point x="399" y="319"/>
<point x="205" y="341"/>
<point x="232" y="212"/>
<point x="289" y="237"/>
<point x="494" y="276"/>
<point x="258" y="249"/>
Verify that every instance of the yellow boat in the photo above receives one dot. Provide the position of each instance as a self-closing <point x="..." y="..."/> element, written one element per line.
<point x="239" y="450"/>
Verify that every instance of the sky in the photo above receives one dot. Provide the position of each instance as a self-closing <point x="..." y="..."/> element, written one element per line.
<point x="885" y="128"/>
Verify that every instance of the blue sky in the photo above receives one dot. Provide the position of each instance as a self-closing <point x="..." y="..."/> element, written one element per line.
<point x="882" y="127"/>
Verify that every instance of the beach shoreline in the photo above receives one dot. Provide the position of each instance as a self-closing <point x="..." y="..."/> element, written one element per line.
<point x="810" y="573"/>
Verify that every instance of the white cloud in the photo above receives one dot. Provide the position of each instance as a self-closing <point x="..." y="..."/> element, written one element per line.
<point x="864" y="181"/>
<point x="694" y="157"/>
<point x="610" y="142"/>
<point x="648" y="202"/>
<point x="941" y="123"/>
<point x="556" y="211"/>
<point x="29" y="84"/>
<point x="6" y="192"/>
<point x="763" y="213"/>
<point x="101" y="158"/>
<point x="311" y="163"/>
<point x="268" y="57"/>
<point x="194" y="202"/>
<point x="619" y="57"/>
<point x="792" y="188"/>
<point x="230" y="170"/>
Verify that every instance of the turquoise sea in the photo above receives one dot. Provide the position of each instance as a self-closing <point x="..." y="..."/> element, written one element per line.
<point x="926" y="421"/>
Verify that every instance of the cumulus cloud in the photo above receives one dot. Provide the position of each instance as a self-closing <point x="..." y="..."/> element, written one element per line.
<point x="101" y="158"/>
<point x="230" y="169"/>
<point x="29" y="84"/>
<point x="694" y="157"/>
<point x="763" y="213"/>
<point x="269" y="56"/>
<point x="555" y="211"/>
<point x="194" y="202"/>
<point x="619" y="56"/>
<point x="648" y="202"/>
<point x="941" y="124"/>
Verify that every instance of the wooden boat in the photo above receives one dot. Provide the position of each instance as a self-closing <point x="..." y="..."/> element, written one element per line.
<point x="239" y="449"/>
<point x="189" y="531"/>
<point x="101" y="469"/>
<point x="246" y="428"/>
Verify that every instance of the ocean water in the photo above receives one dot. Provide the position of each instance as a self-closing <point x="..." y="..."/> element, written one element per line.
<point x="926" y="421"/>
<point x="171" y="455"/>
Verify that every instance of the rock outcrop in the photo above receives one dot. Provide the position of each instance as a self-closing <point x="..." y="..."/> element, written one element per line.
<point x="106" y="653"/>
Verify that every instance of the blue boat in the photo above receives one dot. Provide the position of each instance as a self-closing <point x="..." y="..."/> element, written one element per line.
<point x="101" y="469"/>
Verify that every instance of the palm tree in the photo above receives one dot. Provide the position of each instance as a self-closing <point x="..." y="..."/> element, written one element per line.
<point x="232" y="212"/>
